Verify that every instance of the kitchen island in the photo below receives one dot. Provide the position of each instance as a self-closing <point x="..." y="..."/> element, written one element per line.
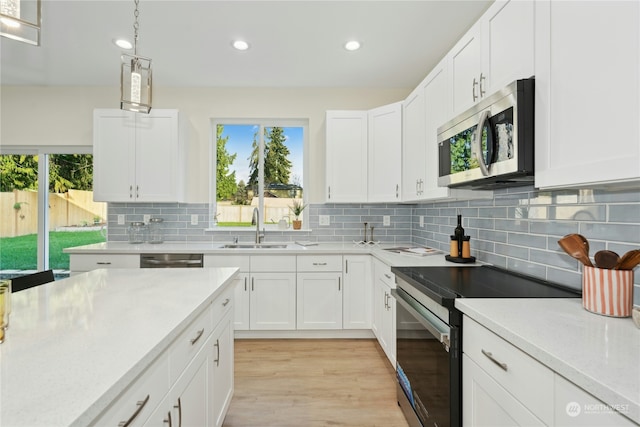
<point x="75" y="345"/>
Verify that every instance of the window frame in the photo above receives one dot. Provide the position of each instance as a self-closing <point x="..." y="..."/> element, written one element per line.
<point x="263" y="123"/>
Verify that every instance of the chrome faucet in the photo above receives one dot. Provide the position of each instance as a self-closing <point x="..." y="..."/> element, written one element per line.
<point x="255" y="220"/>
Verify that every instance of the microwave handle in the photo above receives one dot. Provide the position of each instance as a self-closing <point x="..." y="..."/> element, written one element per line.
<point x="476" y="144"/>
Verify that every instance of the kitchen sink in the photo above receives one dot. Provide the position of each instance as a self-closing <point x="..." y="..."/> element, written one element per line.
<point x="254" y="246"/>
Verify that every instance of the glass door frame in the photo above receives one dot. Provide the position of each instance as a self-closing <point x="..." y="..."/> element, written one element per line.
<point x="43" y="152"/>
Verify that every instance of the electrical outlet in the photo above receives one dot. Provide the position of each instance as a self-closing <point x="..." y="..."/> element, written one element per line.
<point x="146" y="218"/>
<point x="324" y="220"/>
<point x="421" y="221"/>
<point x="194" y="219"/>
<point x="121" y="219"/>
<point x="386" y="220"/>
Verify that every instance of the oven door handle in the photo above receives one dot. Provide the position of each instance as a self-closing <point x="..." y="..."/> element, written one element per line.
<point x="430" y="321"/>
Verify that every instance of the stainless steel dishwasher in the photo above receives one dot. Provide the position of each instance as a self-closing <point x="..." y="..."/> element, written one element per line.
<point x="171" y="261"/>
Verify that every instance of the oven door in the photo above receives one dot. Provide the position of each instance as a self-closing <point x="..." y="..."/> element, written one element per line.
<point x="423" y="363"/>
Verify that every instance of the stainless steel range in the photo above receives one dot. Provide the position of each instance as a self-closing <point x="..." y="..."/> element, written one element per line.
<point x="429" y="332"/>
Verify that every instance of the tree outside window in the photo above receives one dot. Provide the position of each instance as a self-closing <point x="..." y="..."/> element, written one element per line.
<point x="258" y="165"/>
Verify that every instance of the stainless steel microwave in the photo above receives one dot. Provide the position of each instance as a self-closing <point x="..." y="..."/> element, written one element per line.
<point x="490" y="145"/>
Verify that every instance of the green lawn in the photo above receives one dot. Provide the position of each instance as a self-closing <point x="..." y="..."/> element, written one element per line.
<point x="20" y="253"/>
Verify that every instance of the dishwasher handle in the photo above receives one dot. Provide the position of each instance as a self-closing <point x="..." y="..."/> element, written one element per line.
<point x="167" y="261"/>
<point x="176" y="262"/>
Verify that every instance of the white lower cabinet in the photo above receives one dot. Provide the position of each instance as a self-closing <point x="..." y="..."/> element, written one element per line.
<point x="356" y="298"/>
<point x="272" y="303"/>
<point x="137" y="402"/>
<point x="265" y="290"/>
<point x="486" y="403"/>
<point x="576" y="407"/>
<point x="222" y="385"/>
<point x="190" y="383"/>
<point x="502" y="385"/>
<point x="384" y="309"/>
<point x="319" y="292"/>
<point x="186" y="404"/>
<point x="240" y="285"/>
<point x="509" y="383"/>
<point x="80" y="263"/>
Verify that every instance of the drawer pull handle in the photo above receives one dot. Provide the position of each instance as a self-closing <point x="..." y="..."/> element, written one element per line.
<point x="387" y="276"/>
<point x="168" y="419"/>
<point x="140" y="404"/>
<point x="490" y="357"/>
<point x="195" y="340"/>
<point x="319" y="263"/>
<point x="226" y="301"/>
<point x="103" y="263"/>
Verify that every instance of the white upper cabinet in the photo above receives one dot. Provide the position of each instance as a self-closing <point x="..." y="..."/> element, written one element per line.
<point x="364" y="155"/>
<point x="346" y="148"/>
<point x="413" y="144"/>
<point x="465" y="64"/>
<point x="138" y="157"/>
<point x="385" y="153"/>
<point x="425" y="109"/>
<point x="497" y="50"/>
<point x="437" y="111"/>
<point x="587" y="93"/>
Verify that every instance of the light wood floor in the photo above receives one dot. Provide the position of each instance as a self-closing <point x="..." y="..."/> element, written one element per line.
<point x="313" y="383"/>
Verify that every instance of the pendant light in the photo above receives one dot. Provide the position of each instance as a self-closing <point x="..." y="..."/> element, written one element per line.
<point x="21" y="20"/>
<point x="135" y="77"/>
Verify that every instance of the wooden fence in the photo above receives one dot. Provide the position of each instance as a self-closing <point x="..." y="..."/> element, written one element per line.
<point x="19" y="211"/>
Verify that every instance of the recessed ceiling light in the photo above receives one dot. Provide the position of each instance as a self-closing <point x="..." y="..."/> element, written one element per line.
<point x="352" y="45"/>
<point x="122" y="43"/>
<point x="241" y="45"/>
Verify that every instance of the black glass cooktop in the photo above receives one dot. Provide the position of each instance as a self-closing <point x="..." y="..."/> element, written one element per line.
<point x="447" y="283"/>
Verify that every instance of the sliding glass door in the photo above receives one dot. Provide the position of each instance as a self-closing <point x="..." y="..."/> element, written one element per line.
<point x="46" y="196"/>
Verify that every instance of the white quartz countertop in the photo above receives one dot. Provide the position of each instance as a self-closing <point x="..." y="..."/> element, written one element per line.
<point x="378" y="251"/>
<point x="598" y="353"/>
<point x="74" y="344"/>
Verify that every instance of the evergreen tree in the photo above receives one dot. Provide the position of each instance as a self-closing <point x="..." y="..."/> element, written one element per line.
<point x="18" y="172"/>
<point x="68" y="171"/>
<point x="277" y="166"/>
<point x="226" y="186"/>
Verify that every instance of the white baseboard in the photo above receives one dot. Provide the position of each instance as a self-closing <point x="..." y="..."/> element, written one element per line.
<point x="307" y="334"/>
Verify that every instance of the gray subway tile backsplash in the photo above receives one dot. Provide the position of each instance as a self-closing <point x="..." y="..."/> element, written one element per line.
<point x="518" y="229"/>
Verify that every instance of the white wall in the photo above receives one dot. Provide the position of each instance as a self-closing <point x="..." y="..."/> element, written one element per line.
<point x="63" y="116"/>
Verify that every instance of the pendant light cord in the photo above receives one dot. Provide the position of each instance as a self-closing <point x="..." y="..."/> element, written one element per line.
<point x="136" y="13"/>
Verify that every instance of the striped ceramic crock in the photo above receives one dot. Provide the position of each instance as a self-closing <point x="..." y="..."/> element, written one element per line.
<point x="608" y="292"/>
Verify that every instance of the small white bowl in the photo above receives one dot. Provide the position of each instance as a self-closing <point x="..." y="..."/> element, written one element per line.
<point x="635" y="313"/>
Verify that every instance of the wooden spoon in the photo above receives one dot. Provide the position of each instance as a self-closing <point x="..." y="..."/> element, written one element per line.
<point x="629" y="260"/>
<point x="577" y="247"/>
<point x="606" y="259"/>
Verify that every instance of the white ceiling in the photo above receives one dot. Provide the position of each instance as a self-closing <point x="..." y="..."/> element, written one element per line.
<point x="293" y="43"/>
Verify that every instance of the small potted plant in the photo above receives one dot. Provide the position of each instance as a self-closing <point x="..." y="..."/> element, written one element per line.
<point x="297" y="209"/>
